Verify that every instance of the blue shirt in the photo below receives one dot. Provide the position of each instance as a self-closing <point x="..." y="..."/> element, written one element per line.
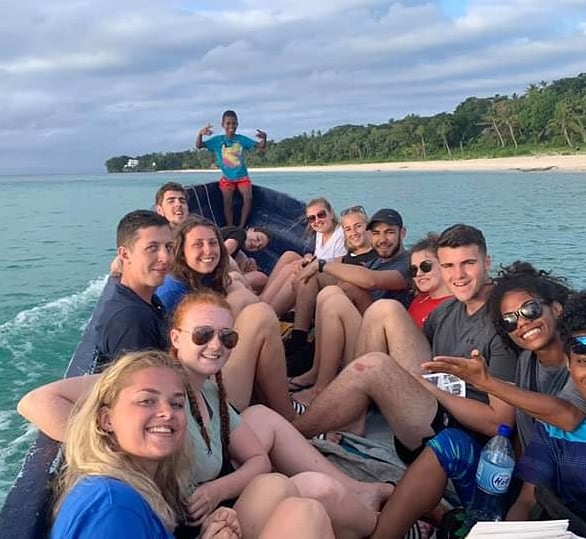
<point x="229" y="154"/>
<point x="557" y="459"/>
<point x="105" y="507"/>
<point x="171" y="292"/>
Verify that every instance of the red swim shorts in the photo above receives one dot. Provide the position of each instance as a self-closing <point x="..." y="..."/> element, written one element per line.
<point x="230" y="185"/>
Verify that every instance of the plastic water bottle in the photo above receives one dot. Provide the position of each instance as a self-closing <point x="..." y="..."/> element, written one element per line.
<point x="493" y="477"/>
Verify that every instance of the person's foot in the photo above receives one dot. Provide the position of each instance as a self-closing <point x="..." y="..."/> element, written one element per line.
<point x="307" y="395"/>
<point x="297" y="383"/>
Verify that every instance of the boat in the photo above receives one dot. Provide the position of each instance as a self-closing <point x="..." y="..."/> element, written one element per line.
<point x="25" y="512"/>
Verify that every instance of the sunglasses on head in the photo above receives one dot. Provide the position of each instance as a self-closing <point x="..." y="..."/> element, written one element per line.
<point x="578" y="345"/>
<point x="530" y="310"/>
<point x="201" y="335"/>
<point x="353" y="209"/>
<point x="321" y="214"/>
<point x="425" y="267"/>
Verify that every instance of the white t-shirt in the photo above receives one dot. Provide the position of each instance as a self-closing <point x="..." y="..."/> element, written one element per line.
<point x="332" y="248"/>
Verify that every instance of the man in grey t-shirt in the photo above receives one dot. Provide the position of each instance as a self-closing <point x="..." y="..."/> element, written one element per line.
<point x="415" y="409"/>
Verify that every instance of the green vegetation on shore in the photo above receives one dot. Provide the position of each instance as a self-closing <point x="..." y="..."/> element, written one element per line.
<point x="546" y="118"/>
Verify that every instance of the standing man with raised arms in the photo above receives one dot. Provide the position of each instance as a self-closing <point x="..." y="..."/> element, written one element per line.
<point x="229" y="152"/>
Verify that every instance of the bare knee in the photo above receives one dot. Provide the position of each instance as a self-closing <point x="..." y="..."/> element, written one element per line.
<point x="384" y="309"/>
<point x="289" y="256"/>
<point x="329" y="291"/>
<point x="279" y="485"/>
<point x="258" y="315"/>
<point x="371" y="365"/>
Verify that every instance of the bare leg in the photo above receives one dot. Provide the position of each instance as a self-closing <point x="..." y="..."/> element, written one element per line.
<point x="258" y="359"/>
<point x="337" y="327"/>
<point x="259" y="500"/>
<point x="406" y="405"/>
<point x="257" y="280"/>
<point x="291" y="454"/>
<point x="286" y="258"/>
<point x="227" y="197"/>
<point x="284" y="299"/>
<point x="387" y="327"/>
<point x="305" y="301"/>
<point x="360" y="297"/>
<point x="298" y="517"/>
<point x="278" y="278"/>
<point x="351" y="519"/>
<point x="410" y="501"/>
<point x="246" y="192"/>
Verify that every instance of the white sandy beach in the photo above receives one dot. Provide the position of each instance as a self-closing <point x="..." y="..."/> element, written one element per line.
<point x="566" y="163"/>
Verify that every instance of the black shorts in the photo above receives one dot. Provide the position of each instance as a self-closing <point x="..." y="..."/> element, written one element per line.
<point x="442" y="420"/>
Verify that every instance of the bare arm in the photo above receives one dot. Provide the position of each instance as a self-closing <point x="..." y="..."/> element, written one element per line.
<point x="523" y="504"/>
<point x="204" y="131"/>
<point x="473" y="414"/>
<point x="247" y="450"/>
<point x="262" y="139"/>
<point x="358" y="276"/>
<point x="49" y="407"/>
<point x="552" y="410"/>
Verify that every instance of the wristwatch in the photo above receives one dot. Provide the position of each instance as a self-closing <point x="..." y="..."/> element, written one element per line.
<point x="320" y="265"/>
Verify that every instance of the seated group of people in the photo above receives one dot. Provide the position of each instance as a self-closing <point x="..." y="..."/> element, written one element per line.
<point x="169" y="439"/>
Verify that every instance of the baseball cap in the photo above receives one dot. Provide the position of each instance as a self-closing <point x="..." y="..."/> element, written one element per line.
<point x="387" y="216"/>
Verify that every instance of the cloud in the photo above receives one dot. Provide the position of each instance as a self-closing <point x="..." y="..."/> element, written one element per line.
<point x="82" y="81"/>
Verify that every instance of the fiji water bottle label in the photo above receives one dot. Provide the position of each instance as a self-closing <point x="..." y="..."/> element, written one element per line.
<point x="493" y="479"/>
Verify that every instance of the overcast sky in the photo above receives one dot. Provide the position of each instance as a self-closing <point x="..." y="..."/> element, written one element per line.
<point x="81" y="80"/>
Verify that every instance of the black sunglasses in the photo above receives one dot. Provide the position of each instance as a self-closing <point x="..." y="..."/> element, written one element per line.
<point x="578" y="345"/>
<point x="353" y="209"/>
<point x="321" y="214"/>
<point x="530" y="310"/>
<point x="201" y="335"/>
<point x="425" y="267"/>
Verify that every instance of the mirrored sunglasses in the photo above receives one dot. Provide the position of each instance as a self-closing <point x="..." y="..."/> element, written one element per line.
<point x="321" y="214"/>
<point x="425" y="267"/>
<point x="578" y="345"/>
<point x="530" y="310"/>
<point x="201" y="335"/>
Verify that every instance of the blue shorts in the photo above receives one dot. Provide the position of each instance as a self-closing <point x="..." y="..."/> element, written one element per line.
<point x="458" y="454"/>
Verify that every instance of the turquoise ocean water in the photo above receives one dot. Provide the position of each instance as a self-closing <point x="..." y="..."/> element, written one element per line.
<point x="57" y="239"/>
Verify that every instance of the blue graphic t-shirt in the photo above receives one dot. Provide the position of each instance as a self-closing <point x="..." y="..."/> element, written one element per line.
<point x="229" y="154"/>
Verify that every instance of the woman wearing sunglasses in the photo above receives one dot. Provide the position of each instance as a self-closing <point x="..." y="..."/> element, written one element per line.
<point x="201" y="261"/>
<point x="525" y="305"/>
<point x="202" y="337"/>
<point x="424" y="271"/>
<point x="329" y="244"/>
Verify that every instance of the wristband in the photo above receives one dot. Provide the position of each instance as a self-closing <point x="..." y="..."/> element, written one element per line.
<point x="320" y="265"/>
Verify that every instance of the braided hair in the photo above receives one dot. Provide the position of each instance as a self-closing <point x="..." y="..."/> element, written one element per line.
<point x="190" y="300"/>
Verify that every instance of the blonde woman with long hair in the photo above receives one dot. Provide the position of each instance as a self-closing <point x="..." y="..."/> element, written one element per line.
<point x="127" y="458"/>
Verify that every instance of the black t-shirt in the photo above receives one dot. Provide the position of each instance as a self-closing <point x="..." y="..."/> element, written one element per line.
<point x="234" y="233"/>
<point x="359" y="260"/>
<point x="128" y="324"/>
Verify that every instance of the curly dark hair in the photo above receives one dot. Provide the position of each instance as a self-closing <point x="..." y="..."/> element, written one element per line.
<point x="219" y="279"/>
<point x="522" y="276"/>
<point x="573" y="318"/>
